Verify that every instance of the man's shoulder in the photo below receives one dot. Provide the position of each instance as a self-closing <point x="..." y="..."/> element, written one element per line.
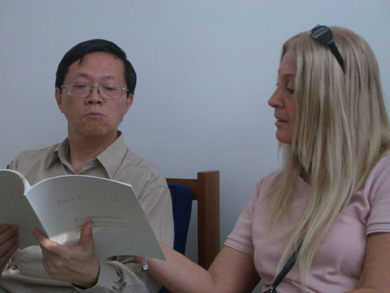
<point x="139" y="171"/>
<point x="36" y="153"/>
<point x="122" y="163"/>
<point x="32" y="156"/>
<point x="138" y="162"/>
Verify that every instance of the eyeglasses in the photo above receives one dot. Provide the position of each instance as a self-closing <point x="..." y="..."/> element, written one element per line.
<point x="106" y="91"/>
<point x="323" y="34"/>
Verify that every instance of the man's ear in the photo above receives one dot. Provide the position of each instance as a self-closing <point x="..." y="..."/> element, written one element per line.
<point x="59" y="98"/>
<point x="129" y="101"/>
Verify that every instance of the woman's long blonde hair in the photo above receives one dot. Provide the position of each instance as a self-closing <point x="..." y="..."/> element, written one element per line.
<point x="340" y="133"/>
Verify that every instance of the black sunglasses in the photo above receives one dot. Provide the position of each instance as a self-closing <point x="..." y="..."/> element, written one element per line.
<point x="323" y="34"/>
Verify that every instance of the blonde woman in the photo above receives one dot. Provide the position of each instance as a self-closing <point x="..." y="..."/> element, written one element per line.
<point x="332" y="197"/>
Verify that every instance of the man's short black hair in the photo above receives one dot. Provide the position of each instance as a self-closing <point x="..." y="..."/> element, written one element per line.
<point x="79" y="51"/>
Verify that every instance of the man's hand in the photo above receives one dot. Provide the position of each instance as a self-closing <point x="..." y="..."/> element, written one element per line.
<point x="77" y="264"/>
<point x="9" y="243"/>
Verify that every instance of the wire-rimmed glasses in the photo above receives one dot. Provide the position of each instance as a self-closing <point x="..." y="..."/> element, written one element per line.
<point x="106" y="91"/>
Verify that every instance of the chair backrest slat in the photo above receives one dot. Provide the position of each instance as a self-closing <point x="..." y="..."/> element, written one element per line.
<point x="206" y="190"/>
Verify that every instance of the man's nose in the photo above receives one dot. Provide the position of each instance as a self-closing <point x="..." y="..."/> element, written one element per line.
<point x="94" y="95"/>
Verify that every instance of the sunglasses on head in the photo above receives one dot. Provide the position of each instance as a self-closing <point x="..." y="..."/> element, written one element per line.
<point x="323" y="34"/>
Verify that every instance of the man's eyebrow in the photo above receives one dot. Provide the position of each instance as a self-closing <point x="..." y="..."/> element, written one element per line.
<point x="105" y="77"/>
<point x="80" y="74"/>
<point x="108" y="77"/>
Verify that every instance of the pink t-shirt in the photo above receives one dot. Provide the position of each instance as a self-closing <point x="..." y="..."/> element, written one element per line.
<point x="339" y="259"/>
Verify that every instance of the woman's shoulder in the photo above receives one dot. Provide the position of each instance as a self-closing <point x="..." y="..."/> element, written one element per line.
<point x="265" y="184"/>
<point x="381" y="169"/>
<point x="271" y="177"/>
<point x="378" y="182"/>
<point x="384" y="162"/>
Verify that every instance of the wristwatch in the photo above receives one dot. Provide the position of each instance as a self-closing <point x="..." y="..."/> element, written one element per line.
<point x="143" y="266"/>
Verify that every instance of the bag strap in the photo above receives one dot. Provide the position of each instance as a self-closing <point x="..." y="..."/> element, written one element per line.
<point x="287" y="267"/>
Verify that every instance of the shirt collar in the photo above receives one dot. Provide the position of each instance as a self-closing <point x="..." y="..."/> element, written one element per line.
<point x="61" y="153"/>
<point x="110" y="158"/>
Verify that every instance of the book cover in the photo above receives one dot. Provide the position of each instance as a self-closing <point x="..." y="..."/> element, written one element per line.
<point x="60" y="206"/>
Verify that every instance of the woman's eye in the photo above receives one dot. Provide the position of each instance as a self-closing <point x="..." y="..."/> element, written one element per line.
<point x="290" y="90"/>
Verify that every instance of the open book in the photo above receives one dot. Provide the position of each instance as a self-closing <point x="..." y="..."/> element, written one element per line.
<point x="59" y="206"/>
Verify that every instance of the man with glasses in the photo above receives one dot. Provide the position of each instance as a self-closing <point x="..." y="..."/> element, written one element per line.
<point x="94" y="90"/>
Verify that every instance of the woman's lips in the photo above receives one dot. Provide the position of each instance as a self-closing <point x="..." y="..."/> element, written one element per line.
<point x="280" y="122"/>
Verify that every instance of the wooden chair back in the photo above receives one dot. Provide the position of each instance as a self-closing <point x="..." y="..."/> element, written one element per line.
<point x="205" y="190"/>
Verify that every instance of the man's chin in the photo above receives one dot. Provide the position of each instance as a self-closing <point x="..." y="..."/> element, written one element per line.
<point x="94" y="133"/>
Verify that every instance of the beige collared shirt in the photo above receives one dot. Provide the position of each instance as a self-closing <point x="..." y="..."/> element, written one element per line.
<point x="25" y="272"/>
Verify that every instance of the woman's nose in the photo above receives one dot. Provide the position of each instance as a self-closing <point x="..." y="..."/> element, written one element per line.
<point x="275" y="100"/>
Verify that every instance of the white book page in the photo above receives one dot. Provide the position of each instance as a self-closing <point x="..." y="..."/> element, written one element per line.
<point x="63" y="204"/>
<point x="15" y="208"/>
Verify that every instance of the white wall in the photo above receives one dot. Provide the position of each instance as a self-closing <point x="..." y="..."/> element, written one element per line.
<point x="205" y="72"/>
